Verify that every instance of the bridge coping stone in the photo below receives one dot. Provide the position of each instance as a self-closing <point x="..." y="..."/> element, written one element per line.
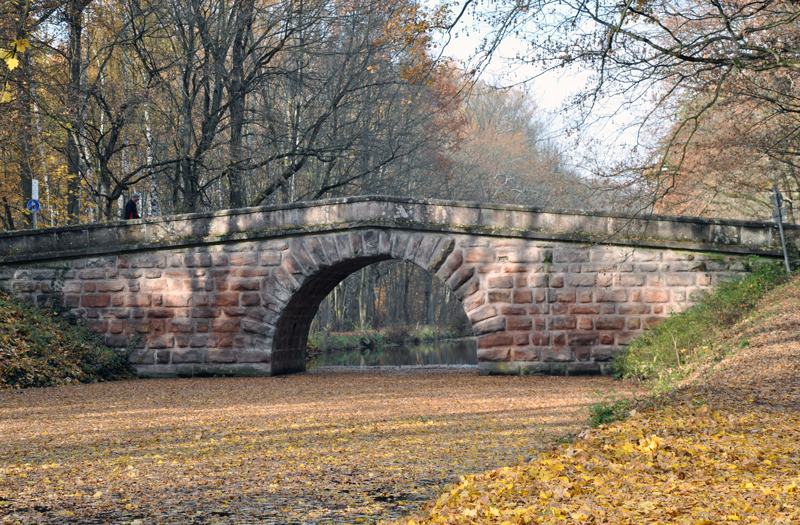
<point x="344" y="214"/>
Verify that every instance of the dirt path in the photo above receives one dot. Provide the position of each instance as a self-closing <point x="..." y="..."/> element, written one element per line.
<point x="325" y="447"/>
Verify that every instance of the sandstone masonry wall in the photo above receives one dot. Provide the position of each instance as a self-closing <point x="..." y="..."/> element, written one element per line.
<point x="536" y="306"/>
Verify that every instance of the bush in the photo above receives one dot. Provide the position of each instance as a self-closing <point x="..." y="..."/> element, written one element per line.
<point x="667" y="352"/>
<point x="39" y="347"/>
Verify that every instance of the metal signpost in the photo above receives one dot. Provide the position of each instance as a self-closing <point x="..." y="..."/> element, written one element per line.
<point x="777" y="200"/>
<point x="33" y="204"/>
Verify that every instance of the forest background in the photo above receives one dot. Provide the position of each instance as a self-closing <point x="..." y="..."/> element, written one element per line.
<point x="207" y="104"/>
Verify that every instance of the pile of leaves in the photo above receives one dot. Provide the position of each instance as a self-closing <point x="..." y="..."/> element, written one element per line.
<point x="723" y="447"/>
<point x="39" y="347"/>
<point x="683" y="463"/>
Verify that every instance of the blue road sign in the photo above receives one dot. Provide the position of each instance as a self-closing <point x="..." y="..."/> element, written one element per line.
<point x="33" y="206"/>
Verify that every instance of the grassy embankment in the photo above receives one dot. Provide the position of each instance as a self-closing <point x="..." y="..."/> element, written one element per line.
<point x="43" y="347"/>
<point x="717" y="442"/>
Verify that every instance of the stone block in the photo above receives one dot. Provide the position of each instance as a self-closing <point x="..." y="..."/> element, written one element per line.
<point x="183" y="355"/>
<point x="570" y="256"/>
<point x="203" y="340"/>
<point x="479" y="255"/>
<point x="566" y="296"/>
<point x="679" y="279"/>
<point x="269" y="258"/>
<point x="154" y="285"/>
<point x="147" y="261"/>
<point x="96" y="301"/>
<point x="522" y="296"/>
<point x="225" y="325"/>
<point x="656" y="295"/>
<point x="245" y="285"/>
<point x="474" y="301"/>
<point x="253" y="356"/>
<point x="161" y="341"/>
<point x="563" y="323"/>
<point x="634" y="279"/>
<point x="637" y="309"/>
<point x="243" y="259"/>
<point x="500" y="281"/>
<point x="519" y="323"/>
<point x="496" y="296"/>
<point x="538" y="280"/>
<point x="610" y="296"/>
<point x="468" y="289"/>
<point x="583" y="338"/>
<point x="604" y="353"/>
<point x="506" y="309"/>
<point x="493" y="354"/>
<point x="202" y="260"/>
<point x="495" y="340"/>
<point x="97" y="273"/>
<point x="482" y="314"/>
<point x="581" y="280"/>
<point x="525" y="354"/>
<point x="177" y="300"/>
<point x="608" y="322"/>
<point x="487" y="368"/>
<point x="495" y="324"/>
<point x="224" y="299"/>
<point x="254" y="327"/>
<point x="461" y="276"/>
<point x="550" y="354"/>
<point x="220" y="355"/>
<point x="584" y="369"/>
<point x="253" y="272"/>
<point x="205" y="313"/>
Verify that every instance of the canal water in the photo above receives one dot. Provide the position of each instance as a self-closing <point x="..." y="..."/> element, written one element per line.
<point x="452" y="352"/>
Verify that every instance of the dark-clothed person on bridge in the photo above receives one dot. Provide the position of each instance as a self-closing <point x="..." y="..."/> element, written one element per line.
<point x="130" y="209"/>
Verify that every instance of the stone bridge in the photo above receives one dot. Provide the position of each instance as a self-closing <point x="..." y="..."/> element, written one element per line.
<point x="234" y="292"/>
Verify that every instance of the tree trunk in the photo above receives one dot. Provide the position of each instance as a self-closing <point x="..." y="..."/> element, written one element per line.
<point x="74" y="19"/>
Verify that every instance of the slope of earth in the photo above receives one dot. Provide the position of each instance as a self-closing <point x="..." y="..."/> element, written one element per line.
<point x="328" y="447"/>
<point x="723" y="448"/>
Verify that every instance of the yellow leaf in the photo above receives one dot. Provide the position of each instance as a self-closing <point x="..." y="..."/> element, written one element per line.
<point x="22" y="44"/>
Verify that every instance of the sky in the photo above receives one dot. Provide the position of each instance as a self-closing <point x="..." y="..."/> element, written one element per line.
<point x="551" y="90"/>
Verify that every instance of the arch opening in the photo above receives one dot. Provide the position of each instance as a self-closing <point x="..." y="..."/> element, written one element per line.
<point x="408" y="303"/>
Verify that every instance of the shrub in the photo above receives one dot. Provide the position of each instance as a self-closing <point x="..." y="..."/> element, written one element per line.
<point x="39" y="347"/>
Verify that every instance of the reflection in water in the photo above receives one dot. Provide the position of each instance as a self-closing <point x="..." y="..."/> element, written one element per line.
<point x="457" y="352"/>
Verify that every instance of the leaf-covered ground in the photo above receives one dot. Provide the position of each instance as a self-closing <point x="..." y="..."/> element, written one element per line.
<point x="724" y="448"/>
<point x="325" y="447"/>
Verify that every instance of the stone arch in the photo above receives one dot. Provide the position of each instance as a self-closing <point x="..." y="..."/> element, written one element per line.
<point x="312" y="266"/>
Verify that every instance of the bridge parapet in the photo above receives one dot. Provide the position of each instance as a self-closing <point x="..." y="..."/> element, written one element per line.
<point x="267" y="222"/>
